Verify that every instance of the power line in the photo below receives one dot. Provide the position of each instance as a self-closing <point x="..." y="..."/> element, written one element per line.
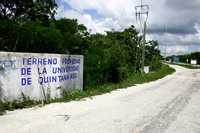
<point x="142" y="13"/>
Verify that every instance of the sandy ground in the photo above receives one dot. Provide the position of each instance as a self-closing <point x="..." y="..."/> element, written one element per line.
<point x="168" y="105"/>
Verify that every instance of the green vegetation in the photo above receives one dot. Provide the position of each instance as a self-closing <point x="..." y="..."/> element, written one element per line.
<point x="188" y="57"/>
<point x="2" y="109"/>
<point x="27" y="10"/>
<point x="189" y="66"/>
<point x="132" y="80"/>
<point x="17" y="104"/>
<point x="193" y="56"/>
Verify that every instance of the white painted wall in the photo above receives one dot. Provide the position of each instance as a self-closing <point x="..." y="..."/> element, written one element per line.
<point x="193" y="62"/>
<point x="146" y="69"/>
<point x="16" y="68"/>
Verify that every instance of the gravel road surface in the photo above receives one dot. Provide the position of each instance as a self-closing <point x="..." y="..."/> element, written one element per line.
<point x="168" y="105"/>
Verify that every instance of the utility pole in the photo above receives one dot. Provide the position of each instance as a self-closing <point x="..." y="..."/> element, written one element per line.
<point x="142" y="12"/>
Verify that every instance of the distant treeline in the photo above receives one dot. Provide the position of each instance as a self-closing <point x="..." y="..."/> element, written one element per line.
<point x="29" y="26"/>
<point x="188" y="57"/>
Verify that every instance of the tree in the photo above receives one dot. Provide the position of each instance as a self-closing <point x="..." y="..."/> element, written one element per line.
<point x="27" y="9"/>
<point x="9" y="31"/>
<point x="29" y="37"/>
<point x="75" y="36"/>
<point x="152" y="55"/>
<point x="130" y="39"/>
<point x="34" y="37"/>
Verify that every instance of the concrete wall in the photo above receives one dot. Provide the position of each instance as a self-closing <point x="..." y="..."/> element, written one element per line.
<point x="37" y="74"/>
<point x="193" y="62"/>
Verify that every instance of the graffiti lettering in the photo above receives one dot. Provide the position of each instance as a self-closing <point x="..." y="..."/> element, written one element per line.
<point x="7" y="64"/>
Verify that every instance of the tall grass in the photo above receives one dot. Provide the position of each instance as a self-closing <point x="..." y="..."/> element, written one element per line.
<point x="189" y="66"/>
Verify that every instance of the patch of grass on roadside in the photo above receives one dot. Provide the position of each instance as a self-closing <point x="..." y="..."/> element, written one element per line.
<point x="17" y="104"/>
<point x="90" y="91"/>
<point x="152" y="76"/>
<point x="106" y="88"/>
<point x="189" y="66"/>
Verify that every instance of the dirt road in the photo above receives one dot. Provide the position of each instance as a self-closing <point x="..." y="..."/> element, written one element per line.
<point x="168" y="105"/>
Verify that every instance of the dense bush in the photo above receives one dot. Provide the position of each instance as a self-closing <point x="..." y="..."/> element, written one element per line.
<point x="29" y="37"/>
<point x="152" y="55"/>
<point x="2" y="109"/>
<point x="105" y="60"/>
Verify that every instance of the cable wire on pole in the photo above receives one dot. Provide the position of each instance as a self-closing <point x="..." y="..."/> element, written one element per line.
<point x="142" y="13"/>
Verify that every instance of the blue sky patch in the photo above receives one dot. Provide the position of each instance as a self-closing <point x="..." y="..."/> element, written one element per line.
<point x="64" y="4"/>
<point x="93" y="13"/>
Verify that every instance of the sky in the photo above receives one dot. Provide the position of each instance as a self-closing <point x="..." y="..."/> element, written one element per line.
<point x="175" y="24"/>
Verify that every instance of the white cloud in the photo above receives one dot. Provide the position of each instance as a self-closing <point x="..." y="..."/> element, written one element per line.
<point x="96" y="25"/>
<point x="118" y="13"/>
<point x="85" y="19"/>
<point x="107" y="8"/>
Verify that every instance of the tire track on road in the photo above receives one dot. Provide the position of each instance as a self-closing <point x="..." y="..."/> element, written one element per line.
<point x="162" y="121"/>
